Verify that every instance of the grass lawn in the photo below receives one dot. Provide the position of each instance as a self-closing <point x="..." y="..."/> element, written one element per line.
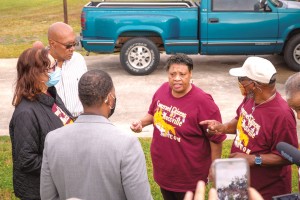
<point x="6" y="191"/>
<point x="23" y="22"/>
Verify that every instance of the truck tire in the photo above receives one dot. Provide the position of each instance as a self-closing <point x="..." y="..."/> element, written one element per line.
<point x="292" y="53"/>
<point x="139" y="56"/>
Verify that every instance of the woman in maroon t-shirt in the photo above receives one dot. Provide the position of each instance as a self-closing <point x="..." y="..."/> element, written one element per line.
<point x="181" y="150"/>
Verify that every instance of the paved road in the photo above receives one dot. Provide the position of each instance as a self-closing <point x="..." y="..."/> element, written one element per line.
<point x="134" y="93"/>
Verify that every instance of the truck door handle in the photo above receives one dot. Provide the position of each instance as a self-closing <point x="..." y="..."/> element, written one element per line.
<point x="213" y="20"/>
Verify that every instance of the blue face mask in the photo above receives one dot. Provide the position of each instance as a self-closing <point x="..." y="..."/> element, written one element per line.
<point x="54" y="77"/>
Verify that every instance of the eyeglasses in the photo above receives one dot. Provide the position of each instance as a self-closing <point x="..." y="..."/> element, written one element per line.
<point x="68" y="46"/>
<point x="243" y="78"/>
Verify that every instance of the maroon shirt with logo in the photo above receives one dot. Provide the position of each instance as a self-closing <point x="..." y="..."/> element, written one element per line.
<point x="180" y="148"/>
<point x="258" y="132"/>
<point x="65" y="119"/>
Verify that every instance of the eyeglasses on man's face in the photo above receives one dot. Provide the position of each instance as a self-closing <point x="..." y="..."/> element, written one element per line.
<point x="68" y="46"/>
<point x="243" y="78"/>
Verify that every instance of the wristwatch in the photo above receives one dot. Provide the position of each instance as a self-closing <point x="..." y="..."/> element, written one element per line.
<point x="258" y="160"/>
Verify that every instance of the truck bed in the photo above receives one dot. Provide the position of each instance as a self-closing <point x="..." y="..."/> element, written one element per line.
<point x="110" y="24"/>
<point x="141" y="4"/>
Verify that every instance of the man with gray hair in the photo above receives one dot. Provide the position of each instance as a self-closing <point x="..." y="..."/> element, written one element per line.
<point x="292" y="91"/>
<point x="91" y="158"/>
<point x="262" y="120"/>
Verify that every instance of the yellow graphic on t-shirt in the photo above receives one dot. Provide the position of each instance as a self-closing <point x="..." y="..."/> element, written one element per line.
<point x="159" y="121"/>
<point x="242" y="137"/>
<point x="247" y="129"/>
<point x="166" y="118"/>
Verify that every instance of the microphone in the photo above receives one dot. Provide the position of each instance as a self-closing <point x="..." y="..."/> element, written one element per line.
<point x="289" y="152"/>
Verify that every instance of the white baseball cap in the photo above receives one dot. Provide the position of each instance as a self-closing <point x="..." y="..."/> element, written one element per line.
<point x="255" y="68"/>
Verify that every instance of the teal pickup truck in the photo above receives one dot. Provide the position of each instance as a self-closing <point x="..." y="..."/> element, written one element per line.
<point x="141" y="30"/>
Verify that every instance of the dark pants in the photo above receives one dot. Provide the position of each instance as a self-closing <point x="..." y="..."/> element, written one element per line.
<point x="169" y="195"/>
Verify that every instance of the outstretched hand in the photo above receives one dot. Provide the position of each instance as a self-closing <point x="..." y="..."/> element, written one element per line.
<point x="213" y="126"/>
<point x="136" y="126"/>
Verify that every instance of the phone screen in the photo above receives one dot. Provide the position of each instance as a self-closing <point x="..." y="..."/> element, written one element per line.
<point x="231" y="178"/>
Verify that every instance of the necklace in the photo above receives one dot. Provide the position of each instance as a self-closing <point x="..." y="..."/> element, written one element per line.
<point x="269" y="99"/>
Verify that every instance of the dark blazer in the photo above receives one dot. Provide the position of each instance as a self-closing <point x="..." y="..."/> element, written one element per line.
<point x="30" y="123"/>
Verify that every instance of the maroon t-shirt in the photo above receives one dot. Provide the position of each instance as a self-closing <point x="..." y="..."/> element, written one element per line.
<point x="258" y="132"/>
<point x="180" y="148"/>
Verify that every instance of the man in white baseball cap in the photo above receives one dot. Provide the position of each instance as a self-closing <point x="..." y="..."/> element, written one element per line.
<point x="255" y="68"/>
<point x="259" y="71"/>
<point x="262" y="120"/>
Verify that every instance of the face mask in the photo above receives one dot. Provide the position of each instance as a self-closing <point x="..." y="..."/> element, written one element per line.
<point x="54" y="77"/>
<point x="112" y="110"/>
<point x="242" y="89"/>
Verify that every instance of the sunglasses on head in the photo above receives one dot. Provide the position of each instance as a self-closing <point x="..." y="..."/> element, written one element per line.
<point x="68" y="46"/>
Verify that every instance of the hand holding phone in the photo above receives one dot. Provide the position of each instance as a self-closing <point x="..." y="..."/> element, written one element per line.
<point x="212" y="195"/>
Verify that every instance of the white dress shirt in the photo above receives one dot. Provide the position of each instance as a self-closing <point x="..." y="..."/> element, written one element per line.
<point x="67" y="87"/>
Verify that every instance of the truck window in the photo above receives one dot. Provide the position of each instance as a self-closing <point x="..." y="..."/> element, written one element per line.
<point x="235" y="5"/>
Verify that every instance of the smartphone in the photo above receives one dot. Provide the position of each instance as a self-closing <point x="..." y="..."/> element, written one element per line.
<point x="231" y="178"/>
<point x="292" y="196"/>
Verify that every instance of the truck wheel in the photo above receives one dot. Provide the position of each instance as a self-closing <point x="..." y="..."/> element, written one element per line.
<point x="139" y="56"/>
<point x="292" y="53"/>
